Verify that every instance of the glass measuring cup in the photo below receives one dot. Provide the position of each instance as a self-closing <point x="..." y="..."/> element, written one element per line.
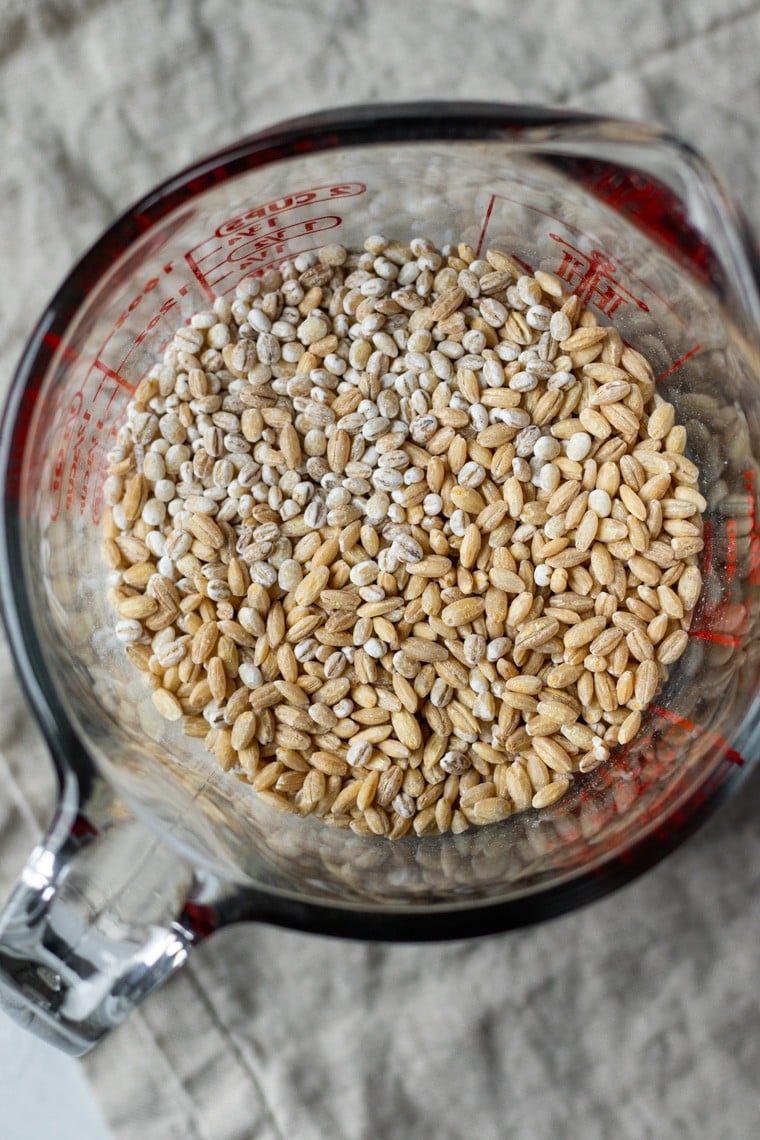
<point x="153" y="847"/>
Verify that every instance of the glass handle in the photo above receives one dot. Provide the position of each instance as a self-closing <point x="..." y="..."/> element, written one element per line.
<point x="100" y="917"/>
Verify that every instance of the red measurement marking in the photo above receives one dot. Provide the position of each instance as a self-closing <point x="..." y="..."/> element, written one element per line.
<point x="59" y="463"/>
<point x="592" y="276"/>
<point x="674" y="718"/>
<point x="76" y="454"/>
<point x="115" y="376"/>
<point x="249" y="223"/>
<point x="245" y="243"/>
<point x="731" y="556"/>
<point x="256" y="249"/>
<point x="690" y="726"/>
<point x="80" y="443"/>
<point x="716" y="636"/>
<point x="195" y="270"/>
<point x="725" y="622"/>
<point x="707" y="552"/>
<point x="261" y="270"/>
<point x="581" y="233"/>
<point x="212" y="264"/>
<point x="486" y="220"/>
<point x="681" y="360"/>
<point x="753" y="578"/>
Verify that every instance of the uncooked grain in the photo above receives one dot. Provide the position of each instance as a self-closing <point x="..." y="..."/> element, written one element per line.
<point x="406" y="554"/>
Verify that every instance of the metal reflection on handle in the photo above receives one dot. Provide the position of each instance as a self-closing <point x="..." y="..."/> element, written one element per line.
<point x="95" y="923"/>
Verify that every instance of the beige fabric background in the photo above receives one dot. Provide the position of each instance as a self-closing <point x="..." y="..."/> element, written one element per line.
<point x="635" y="1019"/>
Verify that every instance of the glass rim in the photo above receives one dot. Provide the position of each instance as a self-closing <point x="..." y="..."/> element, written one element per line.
<point x="368" y="124"/>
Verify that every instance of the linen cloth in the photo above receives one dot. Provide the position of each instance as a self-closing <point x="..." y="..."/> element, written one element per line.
<point x="635" y="1019"/>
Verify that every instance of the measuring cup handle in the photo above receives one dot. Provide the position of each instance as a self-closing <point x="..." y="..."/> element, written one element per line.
<point x="101" y="916"/>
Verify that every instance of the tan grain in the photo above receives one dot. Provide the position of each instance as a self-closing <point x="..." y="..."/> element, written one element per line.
<point x="454" y="679"/>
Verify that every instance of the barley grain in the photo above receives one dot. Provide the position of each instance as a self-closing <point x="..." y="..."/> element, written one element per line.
<point x="373" y="590"/>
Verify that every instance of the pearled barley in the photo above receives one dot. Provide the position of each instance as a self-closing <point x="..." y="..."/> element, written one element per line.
<point x="404" y="536"/>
